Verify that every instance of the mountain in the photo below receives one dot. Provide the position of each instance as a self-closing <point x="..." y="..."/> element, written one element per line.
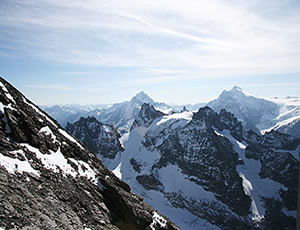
<point x="48" y="180"/>
<point x="97" y="137"/>
<point x="123" y="114"/>
<point x="248" y="109"/>
<point x="255" y="113"/>
<point x="146" y="116"/>
<point x="120" y="115"/>
<point x="261" y="114"/>
<point x="288" y="120"/>
<point x="70" y="113"/>
<point x="204" y="170"/>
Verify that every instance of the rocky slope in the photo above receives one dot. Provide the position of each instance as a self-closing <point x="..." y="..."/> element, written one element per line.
<point x="206" y="171"/>
<point x="48" y="180"/>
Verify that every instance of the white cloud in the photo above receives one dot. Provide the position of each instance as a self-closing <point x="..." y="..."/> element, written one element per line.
<point x="51" y="87"/>
<point x="195" y="38"/>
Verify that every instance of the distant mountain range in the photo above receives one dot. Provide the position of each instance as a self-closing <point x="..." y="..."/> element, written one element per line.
<point x="255" y="113"/>
<point x="120" y="115"/>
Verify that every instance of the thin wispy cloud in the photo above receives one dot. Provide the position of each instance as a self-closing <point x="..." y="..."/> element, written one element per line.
<point x="187" y="40"/>
<point x="51" y="87"/>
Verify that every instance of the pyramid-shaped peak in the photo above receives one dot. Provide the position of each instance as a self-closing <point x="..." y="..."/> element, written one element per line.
<point x="143" y="97"/>
<point x="142" y="94"/>
<point x="236" y="91"/>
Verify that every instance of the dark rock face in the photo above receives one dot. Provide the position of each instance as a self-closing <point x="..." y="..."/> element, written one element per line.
<point x="146" y="116"/>
<point x="221" y="121"/>
<point x="281" y="167"/>
<point x="275" y="139"/>
<point x="49" y="181"/>
<point x="210" y="158"/>
<point x="97" y="137"/>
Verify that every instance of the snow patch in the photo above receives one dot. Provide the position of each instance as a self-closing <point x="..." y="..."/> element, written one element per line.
<point x="46" y="130"/>
<point x="183" y="218"/>
<point x="124" y="138"/>
<point x="247" y="186"/>
<point x="174" y="180"/>
<point x="157" y="220"/>
<point x="13" y="164"/>
<point x="164" y="110"/>
<point x="7" y="94"/>
<point x="117" y="171"/>
<point x="56" y="162"/>
<point x="84" y="170"/>
<point x="219" y="134"/>
<point x="185" y="117"/>
<point x="2" y="106"/>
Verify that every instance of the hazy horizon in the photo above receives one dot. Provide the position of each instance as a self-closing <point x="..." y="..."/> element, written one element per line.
<point x="170" y="104"/>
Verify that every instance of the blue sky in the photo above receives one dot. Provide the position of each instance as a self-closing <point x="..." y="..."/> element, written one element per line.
<point x="105" y="51"/>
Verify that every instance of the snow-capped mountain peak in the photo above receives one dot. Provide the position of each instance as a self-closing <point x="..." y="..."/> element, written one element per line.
<point x="142" y="97"/>
<point x="236" y="93"/>
<point x="252" y="111"/>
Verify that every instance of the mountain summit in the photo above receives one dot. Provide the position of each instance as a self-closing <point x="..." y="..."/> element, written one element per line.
<point x="249" y="109"/>
<point x="143" y="97"/>
<point x="123" y="114"/>
<point x="260" y="114"/>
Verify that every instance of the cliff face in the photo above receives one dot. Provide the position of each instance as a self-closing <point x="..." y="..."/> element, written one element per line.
<point x="97" y="137"/>
<point x="48" y="180"/>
